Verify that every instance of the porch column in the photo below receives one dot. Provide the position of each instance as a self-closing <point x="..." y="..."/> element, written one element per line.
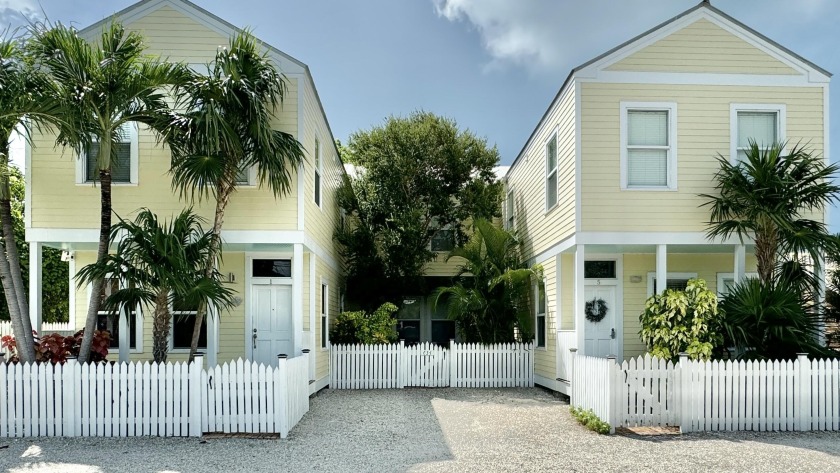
<point x="314" y="297"/>
<point x="35" y="284"/>
<point x="740" y="263"/>
<point x="820" y="274"/>
<point x="212" y="336"/>
<point x="297" y="296"/>
<point x="661" y="268"/>
<point x="124" y="337"/>
<point x="580" y="257"/>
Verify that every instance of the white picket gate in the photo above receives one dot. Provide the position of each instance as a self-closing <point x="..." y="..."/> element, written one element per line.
<point x="727" y="395"/>
<point x="430" y="365"/>
<point x="150" y="399"/>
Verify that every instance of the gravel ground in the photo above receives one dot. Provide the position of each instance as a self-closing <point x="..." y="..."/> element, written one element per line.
<point x="430" y="431"/>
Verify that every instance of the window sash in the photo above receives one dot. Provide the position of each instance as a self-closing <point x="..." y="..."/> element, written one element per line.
<point x="509" y="207"/>
<point x="120" y="168"/>
<point x="324" y="317"/>
<point x="551" y="173"/>
<point x="749" y="127"/>
<point x="648" y="148"/>
<point x="551" y="190"/>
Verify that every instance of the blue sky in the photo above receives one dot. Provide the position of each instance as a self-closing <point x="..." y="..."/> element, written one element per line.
<point x="492" y="65"/>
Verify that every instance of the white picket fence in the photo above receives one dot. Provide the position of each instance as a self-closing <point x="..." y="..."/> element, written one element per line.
<point x="429" y="365"/>
<point x="63" y="328"/>
<point x="727" y="395"/>
<point x="150" y="399"/>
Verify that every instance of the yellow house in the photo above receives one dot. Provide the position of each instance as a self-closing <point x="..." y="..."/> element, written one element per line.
<point x="279" y="253"/>
<point x="605" y="192"/>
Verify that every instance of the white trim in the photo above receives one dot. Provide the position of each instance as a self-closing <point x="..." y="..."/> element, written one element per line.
<point x="301" y="170"/>
<point x="558" y="319"/>
<point x="578" y="170"/>
<point x="826" y="143"/>
<point x="722" y="276"/>
<point x="651" y="276"/>
<point x="28" y="181"/>
<point x="549" y="383"/>
<point x="318" y="171"/>
<point x="297" y="298"/>
<point x="138" y="319"/>
<point x="781" y="123"/>
<point x="510" y="210"/>
<point x="536" y="289"/>
<point x="71" y="320"/>
<point x="312" y="335"/>
<point x="671" y="109"/>
<point x="651" y="238"/>
<point x="36" y="273"/>
<point x="580" y="296"/>
<point x="324" y="313"/>
<point x="618" y="283"/>
<point x="319" y="384"/>
<point x="701" y="78"/>
<point x="548" y="172"/>
<point x="131" y="136"/>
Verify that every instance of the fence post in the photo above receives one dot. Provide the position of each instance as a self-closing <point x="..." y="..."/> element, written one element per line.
<point x="453" y="365"/>
<point x="196" y="406"/>
<point x="681" y="382"/>
<point x="281" y="396"/>
<point x="572" y="380"/>
<point x="613" y="398"/>
<point x="401" y="368"/>
<point x="306" y="356"/>
<point x="804" y="391"/>
<point x="68" y="389"/>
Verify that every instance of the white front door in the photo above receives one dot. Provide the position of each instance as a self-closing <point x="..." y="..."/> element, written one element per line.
<point x="600" y="337"/>
<point x="271" y="314"/>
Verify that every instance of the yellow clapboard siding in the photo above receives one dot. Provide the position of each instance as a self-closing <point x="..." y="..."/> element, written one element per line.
<point x="706" y="48"/>
<point x="545" y="359"/>
<point x="703" y="114"/>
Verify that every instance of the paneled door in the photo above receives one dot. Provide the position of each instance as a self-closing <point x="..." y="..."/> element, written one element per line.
<point x="271" y="315"/>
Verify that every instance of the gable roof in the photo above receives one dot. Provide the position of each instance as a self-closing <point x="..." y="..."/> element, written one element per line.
<point x="620" y="51"/>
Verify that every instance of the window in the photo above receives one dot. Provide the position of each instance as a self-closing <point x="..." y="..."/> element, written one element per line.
<point x="725" y="282"/>
<point x="509" y="206"/>
<point x="108" y="320"/>
<point x="599" y="269"/>
<point x="540" y="321"/>
<point x="318" y="170"/>
<point x="762" y="123"/>
<point x="124" y="164"/>
<point x="443" y="240"/>
<point x="676" y="281"/>
<point x="324" y="315"/>
<point x="551" y="173"/>
<point x="648" y="146"/>
<point x="183" y="323"/>
<point x="243" y="177"/>
<point x="408" y="319"/>
<point x="272" y="268"/>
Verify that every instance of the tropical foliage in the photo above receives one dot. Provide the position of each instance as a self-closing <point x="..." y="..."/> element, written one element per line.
<point x="682" y="321"/>
<point x="490" y="299"/>
<point x="369" y="329"/>
<point x="100" y="88"/>
<point x="160" y="265"/>
<point x="56" y="348"/>
<point x="416" y="179"/>
<point x="226" y="130"/>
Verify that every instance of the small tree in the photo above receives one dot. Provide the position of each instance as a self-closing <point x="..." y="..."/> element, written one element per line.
<point x="369" y="329"/>
<point x="682" y="321"/>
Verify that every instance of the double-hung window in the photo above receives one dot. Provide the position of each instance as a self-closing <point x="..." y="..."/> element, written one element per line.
<point x="763" y="124"/>
<point x="509" y="208"/>
<point x="318" y="171"/>
<point x="183" y="323"/>
<point x="325" y="315"/>
<point x="648" y="145"/>
<point x="109" y="320"/>
<point x="540" y="320"/>
<point x="124" y="158"/>
<point x="551" y="172"/>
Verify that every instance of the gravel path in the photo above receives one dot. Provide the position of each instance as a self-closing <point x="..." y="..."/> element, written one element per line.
<point x="433" y="431"/>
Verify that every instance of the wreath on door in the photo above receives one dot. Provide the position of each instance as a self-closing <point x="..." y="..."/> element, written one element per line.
<point x="596" y="310"/>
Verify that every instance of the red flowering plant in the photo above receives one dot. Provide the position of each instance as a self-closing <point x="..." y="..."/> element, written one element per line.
<point x="55" y="348"/>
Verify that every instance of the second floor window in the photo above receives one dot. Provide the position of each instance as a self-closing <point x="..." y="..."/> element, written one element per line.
<point x="551" y="173"/>
<point x="760" y="126"/>
<point x="443" y="240"/>
<point x="509" y="208"/>
<point x="318" y="163"/>
<point x="123" y="162"/>
<point x="648" y="148"/>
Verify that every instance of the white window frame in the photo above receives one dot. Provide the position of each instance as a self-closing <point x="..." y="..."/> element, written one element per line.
<point x="549" y="172"/>
<point x="325" y="315"/>
<point x="252" y="178"/>
<point x="510" y="211"/>
<point x="131" y="134"/>
<point x="671" y="108"/>
<point x="538" y="314"/>
<point x="721" y="277"/>
<point x="138" y="319"/>
<point x="651" y="276"/>
<point x="781" y="122"/>
<point x="318" y="187"/>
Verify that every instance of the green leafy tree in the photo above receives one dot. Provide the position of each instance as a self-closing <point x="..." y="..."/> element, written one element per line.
<point x="682" y="321"/>
<point x="227" y="129"/>
<point x="490" y="300"/>
<point x="368" y="329"/>
<point x="99" y="87"/>
<point x="160" y="264"/>
<point x="415" y="177"/>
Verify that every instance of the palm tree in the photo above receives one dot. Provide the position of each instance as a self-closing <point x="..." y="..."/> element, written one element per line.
<point x="768" y="196"/>
<point x="226" y="130"/>
<point x="101" y="87"/>
<point x="490" y="298"/>
<point x="160" y="264"/>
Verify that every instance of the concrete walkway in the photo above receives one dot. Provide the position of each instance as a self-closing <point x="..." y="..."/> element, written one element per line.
<point x="432" y="430"/>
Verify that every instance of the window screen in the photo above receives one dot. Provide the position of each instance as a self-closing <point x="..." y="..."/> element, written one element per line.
<point x="647" y="148"/>
<point x="761" y="127"/>
<point x="120" y="168"/>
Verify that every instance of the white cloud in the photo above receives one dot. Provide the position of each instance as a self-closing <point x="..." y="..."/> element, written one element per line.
<point x="16" y="12"/>
<point x="552" y="36"/>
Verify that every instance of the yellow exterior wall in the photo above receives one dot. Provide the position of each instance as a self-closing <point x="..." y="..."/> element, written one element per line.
<point x="545" y="359"/>
<point x="703" y="131"/>
<point x="707" y="266"/>
<point x="537" y="228"/>
<point x="703" y="47"/>
<point x="567" y="299"/>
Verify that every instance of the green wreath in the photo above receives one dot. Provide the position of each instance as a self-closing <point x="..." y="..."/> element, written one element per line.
<point x="596" y="310"/>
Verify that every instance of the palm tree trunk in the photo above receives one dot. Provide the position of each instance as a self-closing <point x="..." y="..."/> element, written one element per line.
<point x="104" y="235"/>
<point x="222" y="199"/>
<point x="766" y="252"/>
<point x="25" y="352"/>
<point x="161" y="326"/>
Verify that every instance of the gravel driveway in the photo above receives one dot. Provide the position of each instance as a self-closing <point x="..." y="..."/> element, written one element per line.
<point x="427" y="430"/>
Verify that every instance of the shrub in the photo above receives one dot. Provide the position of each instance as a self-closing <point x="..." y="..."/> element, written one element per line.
<point x="588" y="419"/>
<point x="369" y="329"/>
<point x="55" y="348"/>
<point x="682" y="321"/>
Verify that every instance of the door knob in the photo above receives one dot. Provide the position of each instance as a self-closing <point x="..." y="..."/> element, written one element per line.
<point x="254" y="339"/>
<point x="612" y="333"/>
